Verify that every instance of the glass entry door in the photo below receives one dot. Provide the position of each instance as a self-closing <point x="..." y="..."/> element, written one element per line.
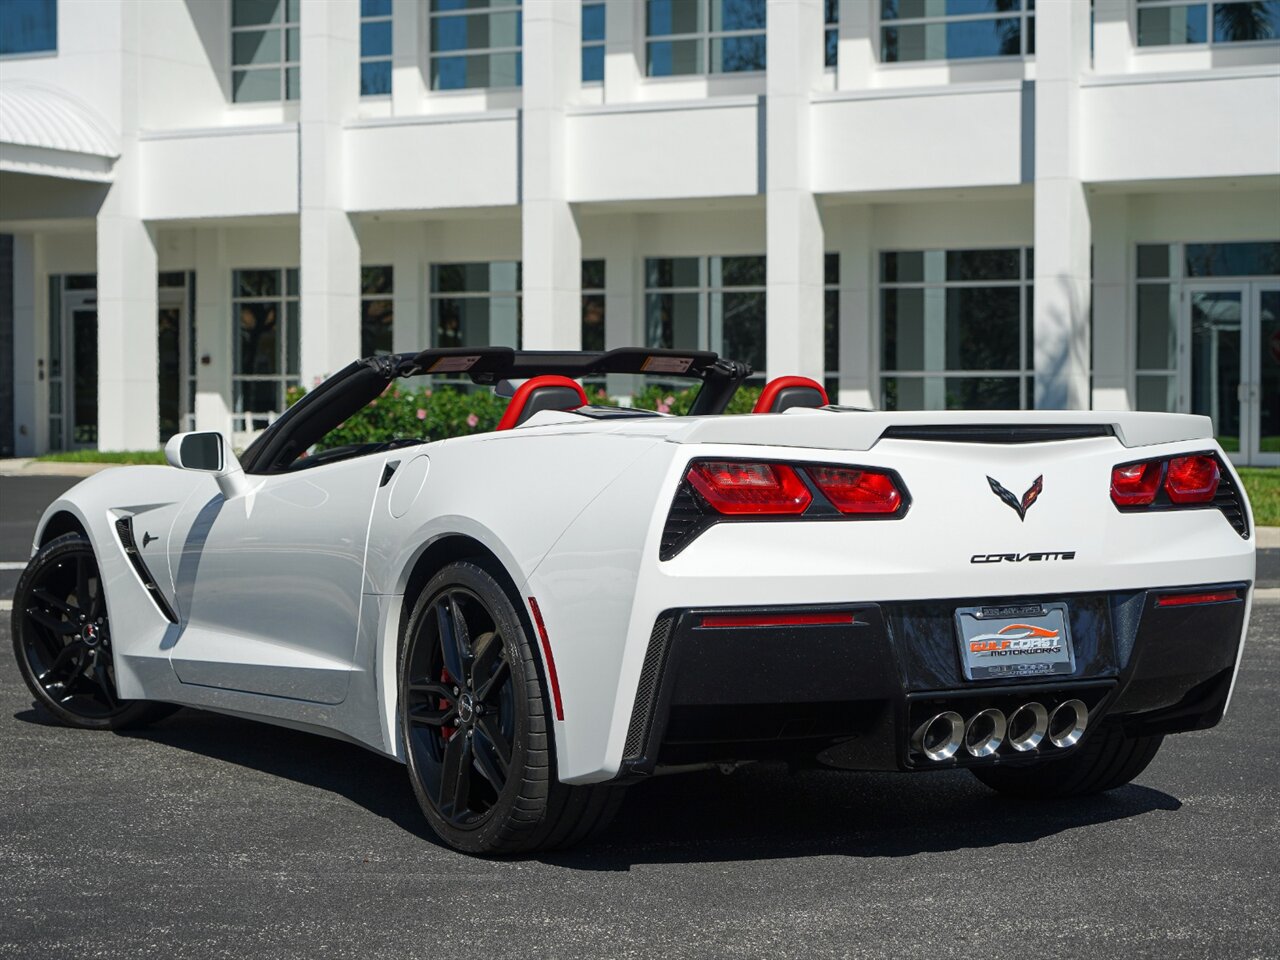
<point x="80" y="335"/>
<point x="1234" y="371"/>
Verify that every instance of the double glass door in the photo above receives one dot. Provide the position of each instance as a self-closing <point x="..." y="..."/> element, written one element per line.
<point x="1233" y="330"/>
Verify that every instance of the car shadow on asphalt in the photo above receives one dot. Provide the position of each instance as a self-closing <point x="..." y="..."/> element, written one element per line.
<point x="760" y="812"/>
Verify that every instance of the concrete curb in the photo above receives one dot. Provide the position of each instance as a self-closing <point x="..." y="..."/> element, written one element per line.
<point x="40" y="468"/>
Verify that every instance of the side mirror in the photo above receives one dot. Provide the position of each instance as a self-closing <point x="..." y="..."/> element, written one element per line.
<point x="208" y="452"/>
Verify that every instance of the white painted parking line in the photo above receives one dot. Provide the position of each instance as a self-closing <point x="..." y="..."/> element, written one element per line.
<point x="1266" y="595"/>
<point x="13" y="565"/>
<point x="6" y="605"/>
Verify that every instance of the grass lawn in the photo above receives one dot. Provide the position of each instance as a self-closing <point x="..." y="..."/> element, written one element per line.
<point x="99" y="456"/>
<point x="1263" y="484"/>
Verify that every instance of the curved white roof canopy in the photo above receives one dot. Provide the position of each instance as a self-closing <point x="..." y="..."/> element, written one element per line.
<point x="46" y="131"/>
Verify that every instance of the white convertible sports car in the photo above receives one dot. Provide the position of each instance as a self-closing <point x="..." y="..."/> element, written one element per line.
<point x="533" y="618"/>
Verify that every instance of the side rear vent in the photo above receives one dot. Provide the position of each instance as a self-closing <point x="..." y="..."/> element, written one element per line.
<point x="1227" y="499"/>
<point x="648" y="689"/>
<point x="124" y="530"/>
<point x="999" y="433"/>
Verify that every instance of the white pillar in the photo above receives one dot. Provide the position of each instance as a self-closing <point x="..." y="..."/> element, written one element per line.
<point x="1113" y="40"/>
<point x="128" y="368"/>
<point x="859" y="45"/>
<point x="793" y="342"/>
<point x="624" y="51"/>
<point x="330" y="254"/>
<point x="1062" y="230"/>
<point x="551" y="246"/>
<point x="1113" y="324"/>
<point x="215" y="329"/>
<point x="30" y="347"/>
<point x="408" y="289"/>
<point x="623" y="296"/>
<point x="857" y="292"/>
<point x="408" y="55"/>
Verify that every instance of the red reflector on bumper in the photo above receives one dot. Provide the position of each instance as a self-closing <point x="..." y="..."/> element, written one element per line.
<point x="1190" y="599"/>
<point x="551" y="663"/>
<point x="837" y="619"/>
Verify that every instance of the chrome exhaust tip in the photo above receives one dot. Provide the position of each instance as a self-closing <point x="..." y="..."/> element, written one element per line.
<point x="939" y="737"/>
<point x="984" y="732"/>
<point x="1067" y="723"/>
<point x="1027" y="726"/>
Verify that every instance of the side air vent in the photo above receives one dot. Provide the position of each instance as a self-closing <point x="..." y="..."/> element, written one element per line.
<point x="999" y="433"/>
<point x="1227" y="499"/>
<point x="124" y="530"/>
<point x="689" y="516"/>
<point x="648" y="689"/>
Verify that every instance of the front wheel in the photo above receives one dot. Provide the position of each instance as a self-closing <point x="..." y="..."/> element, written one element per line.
<point x="1106" y="760"/>
<point x="473" y="715"/>
<point x="63" y="643"/>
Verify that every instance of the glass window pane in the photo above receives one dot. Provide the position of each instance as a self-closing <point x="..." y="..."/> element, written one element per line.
<point x="1154" y="259"/>
<point x="737" y="15"/>
<point x="257" y="396"/>
<point x="592" y="274"/>
<point x="738" y="54"/>
<point x="1157" y="328"/>
<point x="258" y="344"/>
<point x="375" y="8"/>
<point x="902" y="341"/>
<point x="983" y="328"/>
<point x="955" y="40"/>
<point x="983" y="264"/>
<point x="375" y="39"/>
<point x="374" y="280"/>
<point x="743" y="326"/>
<point x="28" y="26"/>
<point x="1246" y="21"/>
<point x="592" y="64"/>
<point x="293" y="331"/>
<point x="375" y="78"/>
<point x="665" y="17"/>
<point x="738" y="271"/>
<point x="905" y="267"/>
<point x="256" y="283"/>
<point x="251" y="86"/>
<point x="1161" y="26"/>
<point x="291" y="281"/>
<point x="593" y="21"/>
<point x="1233" y="259"/>
<point x="593" y="322"/>
<point x="672" y="272"/>
<point x="376" y="322"/>
<point x="255" y="47"/>
<point x="982" y="393"/>
<point x="671" y="320"/>
<point x="1157" y="394"/>
<point x="672" y="58"/>
<point x="831" y="331"/>
<point x="292" y="84"/>
<point x="252" y="13"/>
<point x="832" y="53"/>
<point x="831" y="268"/>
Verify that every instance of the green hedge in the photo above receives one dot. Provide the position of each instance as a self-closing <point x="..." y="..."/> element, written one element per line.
<point x="457" y="412"/>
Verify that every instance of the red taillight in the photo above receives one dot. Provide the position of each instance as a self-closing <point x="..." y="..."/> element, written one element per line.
<point x="1136" y="484"/>
<point x="1192" y="479"/>
<point x="738" y="488"/>
<point x="837" y="619"/>
<point x="1189" y="599"/>
<point x="857" y="491"/>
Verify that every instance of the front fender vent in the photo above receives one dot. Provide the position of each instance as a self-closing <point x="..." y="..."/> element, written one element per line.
<point x="124" y="530"/>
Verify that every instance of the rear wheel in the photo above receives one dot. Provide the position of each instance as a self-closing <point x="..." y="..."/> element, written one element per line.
<point x="473" y="714"/>
<point x="62" y="640"/>
<point x="1106" y="760"/>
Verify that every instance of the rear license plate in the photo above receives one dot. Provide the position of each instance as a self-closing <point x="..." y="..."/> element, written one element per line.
<point x="1025" y="640"/>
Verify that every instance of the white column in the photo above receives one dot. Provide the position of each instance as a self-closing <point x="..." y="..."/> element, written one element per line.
<point x="623" y="49"/>
<point x="1113" y="324"/>
<point x="551" y="246"/>
<point x="1062" y="230"/>
<point x="1112" y="36"/>
<point x="793" y="342"/>
<point x="30" y="347"/>
<point x="330" y="248"/>
<point x="409" y="286"/>
<point x="409" y="39"/>
<point x="623" y="296"/>
<point x="214" y="332"/>
<point x="858" y="43"/>
<point x="857" y="291"/>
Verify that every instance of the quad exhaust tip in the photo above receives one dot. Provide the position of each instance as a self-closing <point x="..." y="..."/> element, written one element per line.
<point x="1067" y="723"/>
<point x="984" y="732"/>
<point x="939" y="737"/>
<point x="1027" y="726"/>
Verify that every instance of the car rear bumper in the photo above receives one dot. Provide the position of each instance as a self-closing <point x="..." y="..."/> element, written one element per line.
<point x="852" y="694"/>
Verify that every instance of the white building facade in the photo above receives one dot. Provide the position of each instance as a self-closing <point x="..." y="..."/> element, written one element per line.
<point x="924" y="203"/>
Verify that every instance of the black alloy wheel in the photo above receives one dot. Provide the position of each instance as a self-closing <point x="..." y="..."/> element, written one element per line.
<point x="63" y="643"/>
<point x="475" y="721"/>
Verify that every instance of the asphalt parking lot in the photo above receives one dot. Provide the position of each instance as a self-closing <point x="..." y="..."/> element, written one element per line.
<point x="208" y="836"/>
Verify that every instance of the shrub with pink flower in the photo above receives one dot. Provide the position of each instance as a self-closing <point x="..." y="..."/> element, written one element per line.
<point x="422" y="414"/>
<point x="472" y="420"/>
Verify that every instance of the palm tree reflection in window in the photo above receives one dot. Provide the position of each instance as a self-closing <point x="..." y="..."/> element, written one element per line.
<point x="1242" y="22"/>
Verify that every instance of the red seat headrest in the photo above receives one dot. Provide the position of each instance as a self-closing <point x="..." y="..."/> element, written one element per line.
<point x="783" y="393"/>
<point x="548" y="392"/>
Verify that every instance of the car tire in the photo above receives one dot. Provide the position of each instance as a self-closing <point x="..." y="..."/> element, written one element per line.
<point x="1104" y="761"/>
<point x="480" y="747"/>
<point x="63" y="644"/>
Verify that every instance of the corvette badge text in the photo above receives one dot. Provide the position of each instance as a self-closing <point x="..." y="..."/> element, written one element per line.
<point x="1023" y="557"/>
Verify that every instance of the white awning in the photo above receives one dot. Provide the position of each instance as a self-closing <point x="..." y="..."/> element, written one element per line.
<point x="46" y="131"/>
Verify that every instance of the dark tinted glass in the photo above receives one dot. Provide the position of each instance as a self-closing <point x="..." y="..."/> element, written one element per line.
<point x="592" y="274"/>
<point x="983" y="264"/>
<point x="593" y="21"/>
<point x="375" y="280"/>
<point x="201" y="451"/>
<point x="1233" y="259"/>
<point x="28" y="26"/>
<point x="1153" y="259"/>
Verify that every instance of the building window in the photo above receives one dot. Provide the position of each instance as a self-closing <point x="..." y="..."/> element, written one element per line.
<point x="1156" y="381"/>
<point x="592" y="42"/>
<point x="928" y="30"/>
<point x="28" y="26"/>
<point x="377" y="311"/>
<point x="831" y="323"/>
<point x="955" y="330"/>
<point x="831" y="33"/>
<point x="265" y="50"/>
<point x="704" y="36"/>
<point x="264" y="311"/>
<point x="375" y="48"/>
<point x="475" y="304"/>
<point x="475" y="43"/>
<point x="1165" y="22"/>
<point x="707" y="303"/>
<point x="592" y="304"/>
